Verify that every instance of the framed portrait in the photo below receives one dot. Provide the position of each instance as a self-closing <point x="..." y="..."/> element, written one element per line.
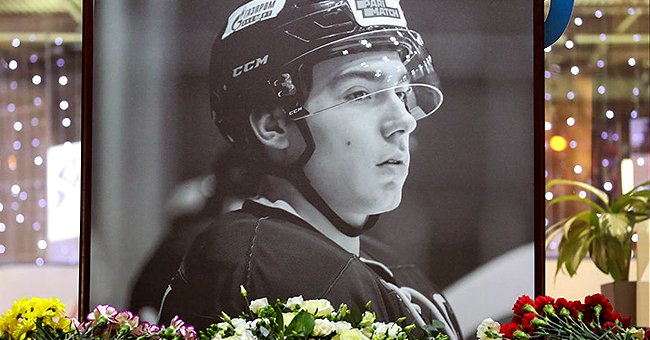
<point x="470" y="214"/>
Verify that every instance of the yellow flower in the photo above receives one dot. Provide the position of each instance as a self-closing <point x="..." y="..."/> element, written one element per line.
<point x="21" y="319"/>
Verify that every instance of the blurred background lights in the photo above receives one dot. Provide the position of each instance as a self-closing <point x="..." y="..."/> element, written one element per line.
<point x="42" y="203"/>
<point x="13" y="85"/>
<point x="635" y="91"/>
<point x="600" y="63"/>
<point x="547" y="96"/>
<point x="58" y="41"/>
<point x="60" y="62"/>
<point x="42" y="244"/>
<point x="20" y="218"/>
<point x="63" y="80"/>
<point x="598" y="14"/>
<point x="615" y="137"/>
<point x="577" y="169"/>
<point x="548" y="126"/>
<point x="37" y="101"/>
<point x="3" y="227"/>
<point x="569" y="44"/>
<point x="602" y="37"/>
<point x="630" y="11"/>
<point x="573" y="144"/>
<point x="577" y="21"/>
<point x="609" y="114"/>
<point x="605" y="163"/>
<point x="33" y="58"/>
<point x="635" y="237"/>
<point x="570" y="95"/>
<point x="65" y="122"/>
<point x="15" y="42"/>
<point x="2" y="207"/>
<point x="36" y="142"/>
<point x="549" y="196"/>
<point x="16" y="145"/>
<point x="631" y="61"/>
<point x="15" y="189"/>
<point x="39" y="262"/>
<point x="13" y="65"/>
<point x="558" y="143"/>
<point x="570" y="121"/>
<point x="63" y="105"/>
<point x="634" y="114"/>
<point x="18" y="126"/>
<point x="2" y="249"/>
<point x="636" y="37"/>
<point x="36" y="79"/>
<point x="582" y="194"/>
<point x="639" y="161"/>
<point x="11" y="107"/>
<point x="575" y="70"/>
<point x="38" y="160"/>
<point x="34" y="121"/>
<point x="608" y="186"/>
<point x="547" y="74"/>
<point x="601" y="89"/>
<point x="604" y="135"/>
<point x="548" y="49"/>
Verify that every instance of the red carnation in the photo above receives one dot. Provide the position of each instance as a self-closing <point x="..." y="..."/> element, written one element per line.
<point x="542" y="301"/>
<point x="522" y="301"/>
<point x="572" y="306"/>
<point x="509" y="329"/>
<point x="526" y="326"/>
<point x="607" y="325"/>
<point x="647" y="335"/>
<point x="592" y="301"/>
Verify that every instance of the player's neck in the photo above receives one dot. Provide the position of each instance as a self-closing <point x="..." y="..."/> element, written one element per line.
<point x="274" y="188"/>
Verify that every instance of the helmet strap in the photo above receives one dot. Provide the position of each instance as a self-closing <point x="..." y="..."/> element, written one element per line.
<point x="297" y="176"/>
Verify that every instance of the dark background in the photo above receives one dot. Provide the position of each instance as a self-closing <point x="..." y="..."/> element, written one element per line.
<point x="469" y="196"/>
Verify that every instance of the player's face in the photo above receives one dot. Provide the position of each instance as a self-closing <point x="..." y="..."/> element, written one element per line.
<point x="362" y="146"/>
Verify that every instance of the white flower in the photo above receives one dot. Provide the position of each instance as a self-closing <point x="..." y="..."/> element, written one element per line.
<point x="350" y="334"/>
<point x="341" y="326"/>
<point x="368" y="319"/>
<point x="323" y="327"/>
<point x="488" y="329"/>
<point x="383" y="330"/>
<point x="318" y="307"/>
<point x="294" y="302"/>
<point x="288" y="317"/>
<point x="258" y="304"/>
<point x="240" y="325"/>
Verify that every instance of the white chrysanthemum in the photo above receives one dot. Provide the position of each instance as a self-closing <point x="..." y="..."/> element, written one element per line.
<point x="488" y="329"/>
<point x="323" y="327"/>
<point x="294" y="302"/>
<point x="257" y="304"/>
<point x="318" y="307"/>
<point x="341" y="326"/>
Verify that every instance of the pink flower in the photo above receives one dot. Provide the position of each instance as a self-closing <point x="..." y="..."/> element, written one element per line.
<point x="106" y="311"/>
<point x="176" y="323"/>
<point x="127" y="318"/>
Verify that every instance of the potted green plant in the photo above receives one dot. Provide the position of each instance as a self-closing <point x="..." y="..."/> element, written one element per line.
<point x="604" y="231"/>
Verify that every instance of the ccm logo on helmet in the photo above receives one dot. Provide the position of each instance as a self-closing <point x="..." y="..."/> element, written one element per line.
<point x="249" y="66"/>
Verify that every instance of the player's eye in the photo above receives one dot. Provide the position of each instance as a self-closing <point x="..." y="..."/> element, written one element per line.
<point x="356" y="95"/>
<point x="403" y="93"/>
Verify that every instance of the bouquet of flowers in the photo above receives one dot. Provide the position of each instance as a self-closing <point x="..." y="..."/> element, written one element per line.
<point x="296" y="318"/>
<point x="44" y="319"/>
<point x="549" y="318"/>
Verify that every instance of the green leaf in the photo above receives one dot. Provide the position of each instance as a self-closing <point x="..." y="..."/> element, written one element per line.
<point x="574" y="247"/>
<point x="619" y="259"/>
<point x="301" y="326"/>
<point x="576" y="198"/>
<point x="599" y="193"/>
<point x="616" y="225"/>
<point x="598" y="254"/>
<point x="632" y="202"/>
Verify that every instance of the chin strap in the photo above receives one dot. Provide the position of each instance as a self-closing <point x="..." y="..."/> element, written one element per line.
<point x="295" y="174"/>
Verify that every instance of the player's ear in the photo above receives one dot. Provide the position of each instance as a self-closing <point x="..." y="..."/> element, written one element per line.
<point x="270" y="128"/>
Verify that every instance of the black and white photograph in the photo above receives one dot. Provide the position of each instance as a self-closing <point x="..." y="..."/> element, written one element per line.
<point x="348" y="150"/>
